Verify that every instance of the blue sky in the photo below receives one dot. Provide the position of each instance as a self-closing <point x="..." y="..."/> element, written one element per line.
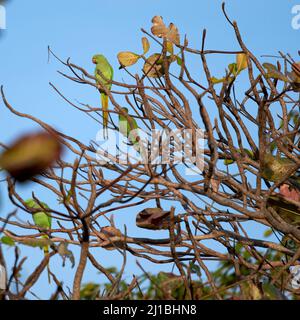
<point x="87" y="27"/>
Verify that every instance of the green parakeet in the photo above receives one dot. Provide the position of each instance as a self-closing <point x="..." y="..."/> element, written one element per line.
<point x="103" y="73"/>
<point x="288" y="210"/>
<point x="126" y="125"/>
<point x="43" y="221"/>
<point x="275" y="168"/>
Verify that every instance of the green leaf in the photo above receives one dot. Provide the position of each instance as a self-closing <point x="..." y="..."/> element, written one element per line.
<point x="233" y="69"/>
<point x="179" y="61"/>
<point x="228" y="162"/>
<point x="8" y="241"/>
<point x="215" y="80"/>
<point x="274" y="73"/>
<point x="268" y="233"/>
<point x="89" y="291"/>
<point x="170" y="47"/>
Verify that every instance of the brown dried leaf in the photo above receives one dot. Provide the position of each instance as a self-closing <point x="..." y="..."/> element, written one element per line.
<point x="153" y="66"/>
<point x="173" y="34"/>
<point x="154" y="219"/>
<point x="111" y="238"/>
<point x="160" y="30"/>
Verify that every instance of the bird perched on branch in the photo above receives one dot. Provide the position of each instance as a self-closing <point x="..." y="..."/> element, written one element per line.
<point x="128" y="127"/>
<point x="275" y="168"/>
<point x="287" y="209"/>
<point x="104" y="74"/>
<point x="43" y="221"/>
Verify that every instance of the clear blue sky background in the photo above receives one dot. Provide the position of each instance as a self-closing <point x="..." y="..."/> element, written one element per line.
<point x="79" y="29"/>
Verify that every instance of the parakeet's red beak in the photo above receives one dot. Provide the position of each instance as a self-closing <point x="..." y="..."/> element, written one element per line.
<point x="94" y="61"/>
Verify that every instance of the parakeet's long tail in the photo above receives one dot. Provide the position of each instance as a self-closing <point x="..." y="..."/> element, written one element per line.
<point x="46" y="252"/>
<point x="104" y="103"/>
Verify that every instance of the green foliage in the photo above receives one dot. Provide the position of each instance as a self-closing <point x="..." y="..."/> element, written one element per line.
<point x="8" y="241"/>
<point x="89" y="291"/>
<point x="249" y="153"/>
<point x="153" y="66"/>
<point x="233" y="69"/>
<point x="268" y="233"/>
<point x="274" y="73"/>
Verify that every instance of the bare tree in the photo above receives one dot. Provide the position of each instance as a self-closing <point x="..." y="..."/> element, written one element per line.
<point x="210" y="215"/>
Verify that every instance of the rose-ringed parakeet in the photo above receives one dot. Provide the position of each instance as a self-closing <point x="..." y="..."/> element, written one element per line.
<point x="128" y="127"/>
<point x="287" y="209"/>
<point x="104" y="74"/>
<point x="43" y="221"/>
<point x="275" y="168"/>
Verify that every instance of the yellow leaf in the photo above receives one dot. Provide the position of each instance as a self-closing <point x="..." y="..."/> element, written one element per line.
<point x="228" y="162"/>
<point x="170" y="48"/>
<point x="241" y="61"/>
<point x="215" y="80"/>
<point x="268" y="233"/>
<point x="127" y="58"/>
<point x="146" y="45"/>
